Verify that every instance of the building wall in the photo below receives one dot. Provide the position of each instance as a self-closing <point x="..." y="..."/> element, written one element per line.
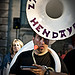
<point x="24" y="33"/>
<point x="15" y="13"/>
<point x="4" y="7"/>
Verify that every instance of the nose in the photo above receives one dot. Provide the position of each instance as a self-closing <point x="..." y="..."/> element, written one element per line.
<point x="42" y="41"/>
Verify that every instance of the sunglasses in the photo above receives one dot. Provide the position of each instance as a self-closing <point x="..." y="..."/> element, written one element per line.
<point x="46" y="41"/>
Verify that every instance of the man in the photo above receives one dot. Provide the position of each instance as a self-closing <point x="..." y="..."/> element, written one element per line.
<point x="40" y="58"/>
<point x="69" y="61"/>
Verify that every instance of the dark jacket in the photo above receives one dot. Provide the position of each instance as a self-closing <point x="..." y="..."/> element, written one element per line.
<point x="70" y="61"/>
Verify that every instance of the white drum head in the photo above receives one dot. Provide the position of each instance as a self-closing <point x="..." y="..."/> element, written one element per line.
<point x="52" y="19"/>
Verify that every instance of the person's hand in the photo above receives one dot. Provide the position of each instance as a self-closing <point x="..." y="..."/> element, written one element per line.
<point x="39" y="71"/>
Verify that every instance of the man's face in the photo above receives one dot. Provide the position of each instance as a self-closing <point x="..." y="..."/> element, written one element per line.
<point x="41" y="43"/>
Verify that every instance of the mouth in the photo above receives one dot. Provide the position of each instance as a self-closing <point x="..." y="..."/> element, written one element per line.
<point x="41" y="47"/>
<point x="16" y="49"/>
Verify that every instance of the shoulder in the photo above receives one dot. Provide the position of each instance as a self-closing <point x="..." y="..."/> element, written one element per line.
<point x="7" y="55"/>
<point x="70" y="54"/>
<point x="25" y="53"/>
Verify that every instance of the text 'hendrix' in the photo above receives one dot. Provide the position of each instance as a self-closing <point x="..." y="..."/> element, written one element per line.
<point x="40" y="29"/>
